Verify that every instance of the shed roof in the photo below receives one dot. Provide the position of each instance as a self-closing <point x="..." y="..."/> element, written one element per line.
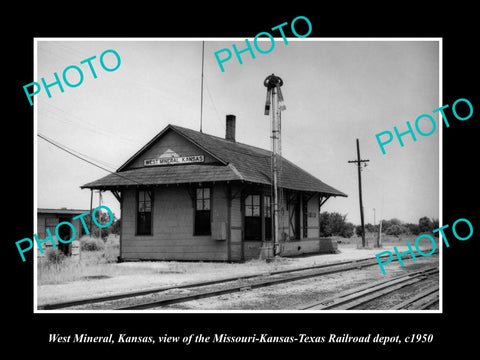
<point x="62" y="211"/>
<point x="236" y="162"/>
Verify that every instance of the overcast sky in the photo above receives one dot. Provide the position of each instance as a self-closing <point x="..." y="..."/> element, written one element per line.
<point x="335" y="92"/>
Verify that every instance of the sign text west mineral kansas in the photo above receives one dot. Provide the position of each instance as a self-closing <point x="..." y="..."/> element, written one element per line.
<point x="175" y="160"/>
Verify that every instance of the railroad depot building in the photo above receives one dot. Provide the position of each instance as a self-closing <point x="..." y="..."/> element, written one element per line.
<point x="187" y="195"/>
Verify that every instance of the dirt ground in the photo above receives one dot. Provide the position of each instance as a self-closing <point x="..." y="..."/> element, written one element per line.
<point x="149" y="275"/>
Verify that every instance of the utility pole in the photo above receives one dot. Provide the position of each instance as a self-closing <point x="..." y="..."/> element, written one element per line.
<point x="91" y="204"/>
<point x="100" y="219"/>
<point x="379" y="238"/>
<point x="359" y="162"/>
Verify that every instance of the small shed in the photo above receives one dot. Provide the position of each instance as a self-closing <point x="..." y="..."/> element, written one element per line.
<point x="49" y="219"/>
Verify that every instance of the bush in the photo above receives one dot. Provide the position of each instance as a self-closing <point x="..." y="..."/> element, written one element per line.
<point x="414" y="229"/>
<point x="396" y="227"/>
<point x="369" y="228"/>
<point x="54" y="256"/>
<point x="112" y="248"/>
<point x="88" y="243"/>
<point x="396" y="230"/>
<point x="334" y="224"/>
<point x="358" y="230"/>
<point x="347" y="230"/>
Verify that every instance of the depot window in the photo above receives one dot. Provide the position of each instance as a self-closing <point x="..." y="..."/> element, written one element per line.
<point x="144" y="212"/>
<point x="253" y="225"/>
<point x="202" y="211"/>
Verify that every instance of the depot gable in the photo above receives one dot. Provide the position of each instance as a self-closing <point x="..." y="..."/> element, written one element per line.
<point x="170" y="148"/>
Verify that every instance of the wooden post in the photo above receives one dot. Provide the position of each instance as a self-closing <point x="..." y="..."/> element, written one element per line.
<point x="99" y="204"/>
<point x="379" y="239"/>
<point x="91" y="217"/>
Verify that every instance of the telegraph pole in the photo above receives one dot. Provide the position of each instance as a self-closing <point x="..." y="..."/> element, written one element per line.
<point x="359" y="162"/>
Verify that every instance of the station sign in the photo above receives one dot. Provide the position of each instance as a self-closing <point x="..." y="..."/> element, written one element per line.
<point x="174" y="160"/>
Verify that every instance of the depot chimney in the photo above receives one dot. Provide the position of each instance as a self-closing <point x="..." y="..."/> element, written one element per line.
<point x="230" y="128"/>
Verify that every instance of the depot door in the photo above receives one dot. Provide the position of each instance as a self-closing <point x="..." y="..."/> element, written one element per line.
<point x="295" y="217"/>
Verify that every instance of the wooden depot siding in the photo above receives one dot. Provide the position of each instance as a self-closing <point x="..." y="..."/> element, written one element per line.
<point x="236" y="246"/>
<point x="172" y="222"/>
<point x="313" y="230"/>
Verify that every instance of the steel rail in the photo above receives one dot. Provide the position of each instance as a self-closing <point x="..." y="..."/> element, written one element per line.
<point x="423" y="300"/>
<point x="85" y="301"/>
<point x="240" y="287"/>
<point x="329" y="268"/>
<point x="270" y="281"/>
<point x="354" y="297"/>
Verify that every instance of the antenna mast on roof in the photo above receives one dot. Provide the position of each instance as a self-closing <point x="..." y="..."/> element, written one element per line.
<point x="201" y="90"/>
<point x="275" y="99"/>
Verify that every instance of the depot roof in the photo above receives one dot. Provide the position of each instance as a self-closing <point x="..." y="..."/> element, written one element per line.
<point x="234" y="162"/>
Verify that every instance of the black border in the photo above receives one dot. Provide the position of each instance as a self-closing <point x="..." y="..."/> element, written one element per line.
<point x="456" y="25"/>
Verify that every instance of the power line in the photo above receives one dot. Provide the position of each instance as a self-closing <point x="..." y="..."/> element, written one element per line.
<point x="68" y="118"/>
<point x="89" y="157"/>
<point x="64" y="148"/>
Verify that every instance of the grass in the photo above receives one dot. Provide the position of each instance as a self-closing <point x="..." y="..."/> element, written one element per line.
<point x="103" y="263"/>
<point x="97" y="264"/>
<point x="371" y="239"/>
<point x="387" y="241"/>
<point x="91" y="264"/>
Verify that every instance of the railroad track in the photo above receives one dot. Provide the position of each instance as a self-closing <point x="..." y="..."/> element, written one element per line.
<point x="165" y="296"/>
<point x="359" y="296"/>
<point x="421" y="301"/>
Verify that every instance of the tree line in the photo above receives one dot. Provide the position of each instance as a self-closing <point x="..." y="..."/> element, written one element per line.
<point x="331" y="224"/>
<point x="103" y="218"/>
<point x="335" y="224"/>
